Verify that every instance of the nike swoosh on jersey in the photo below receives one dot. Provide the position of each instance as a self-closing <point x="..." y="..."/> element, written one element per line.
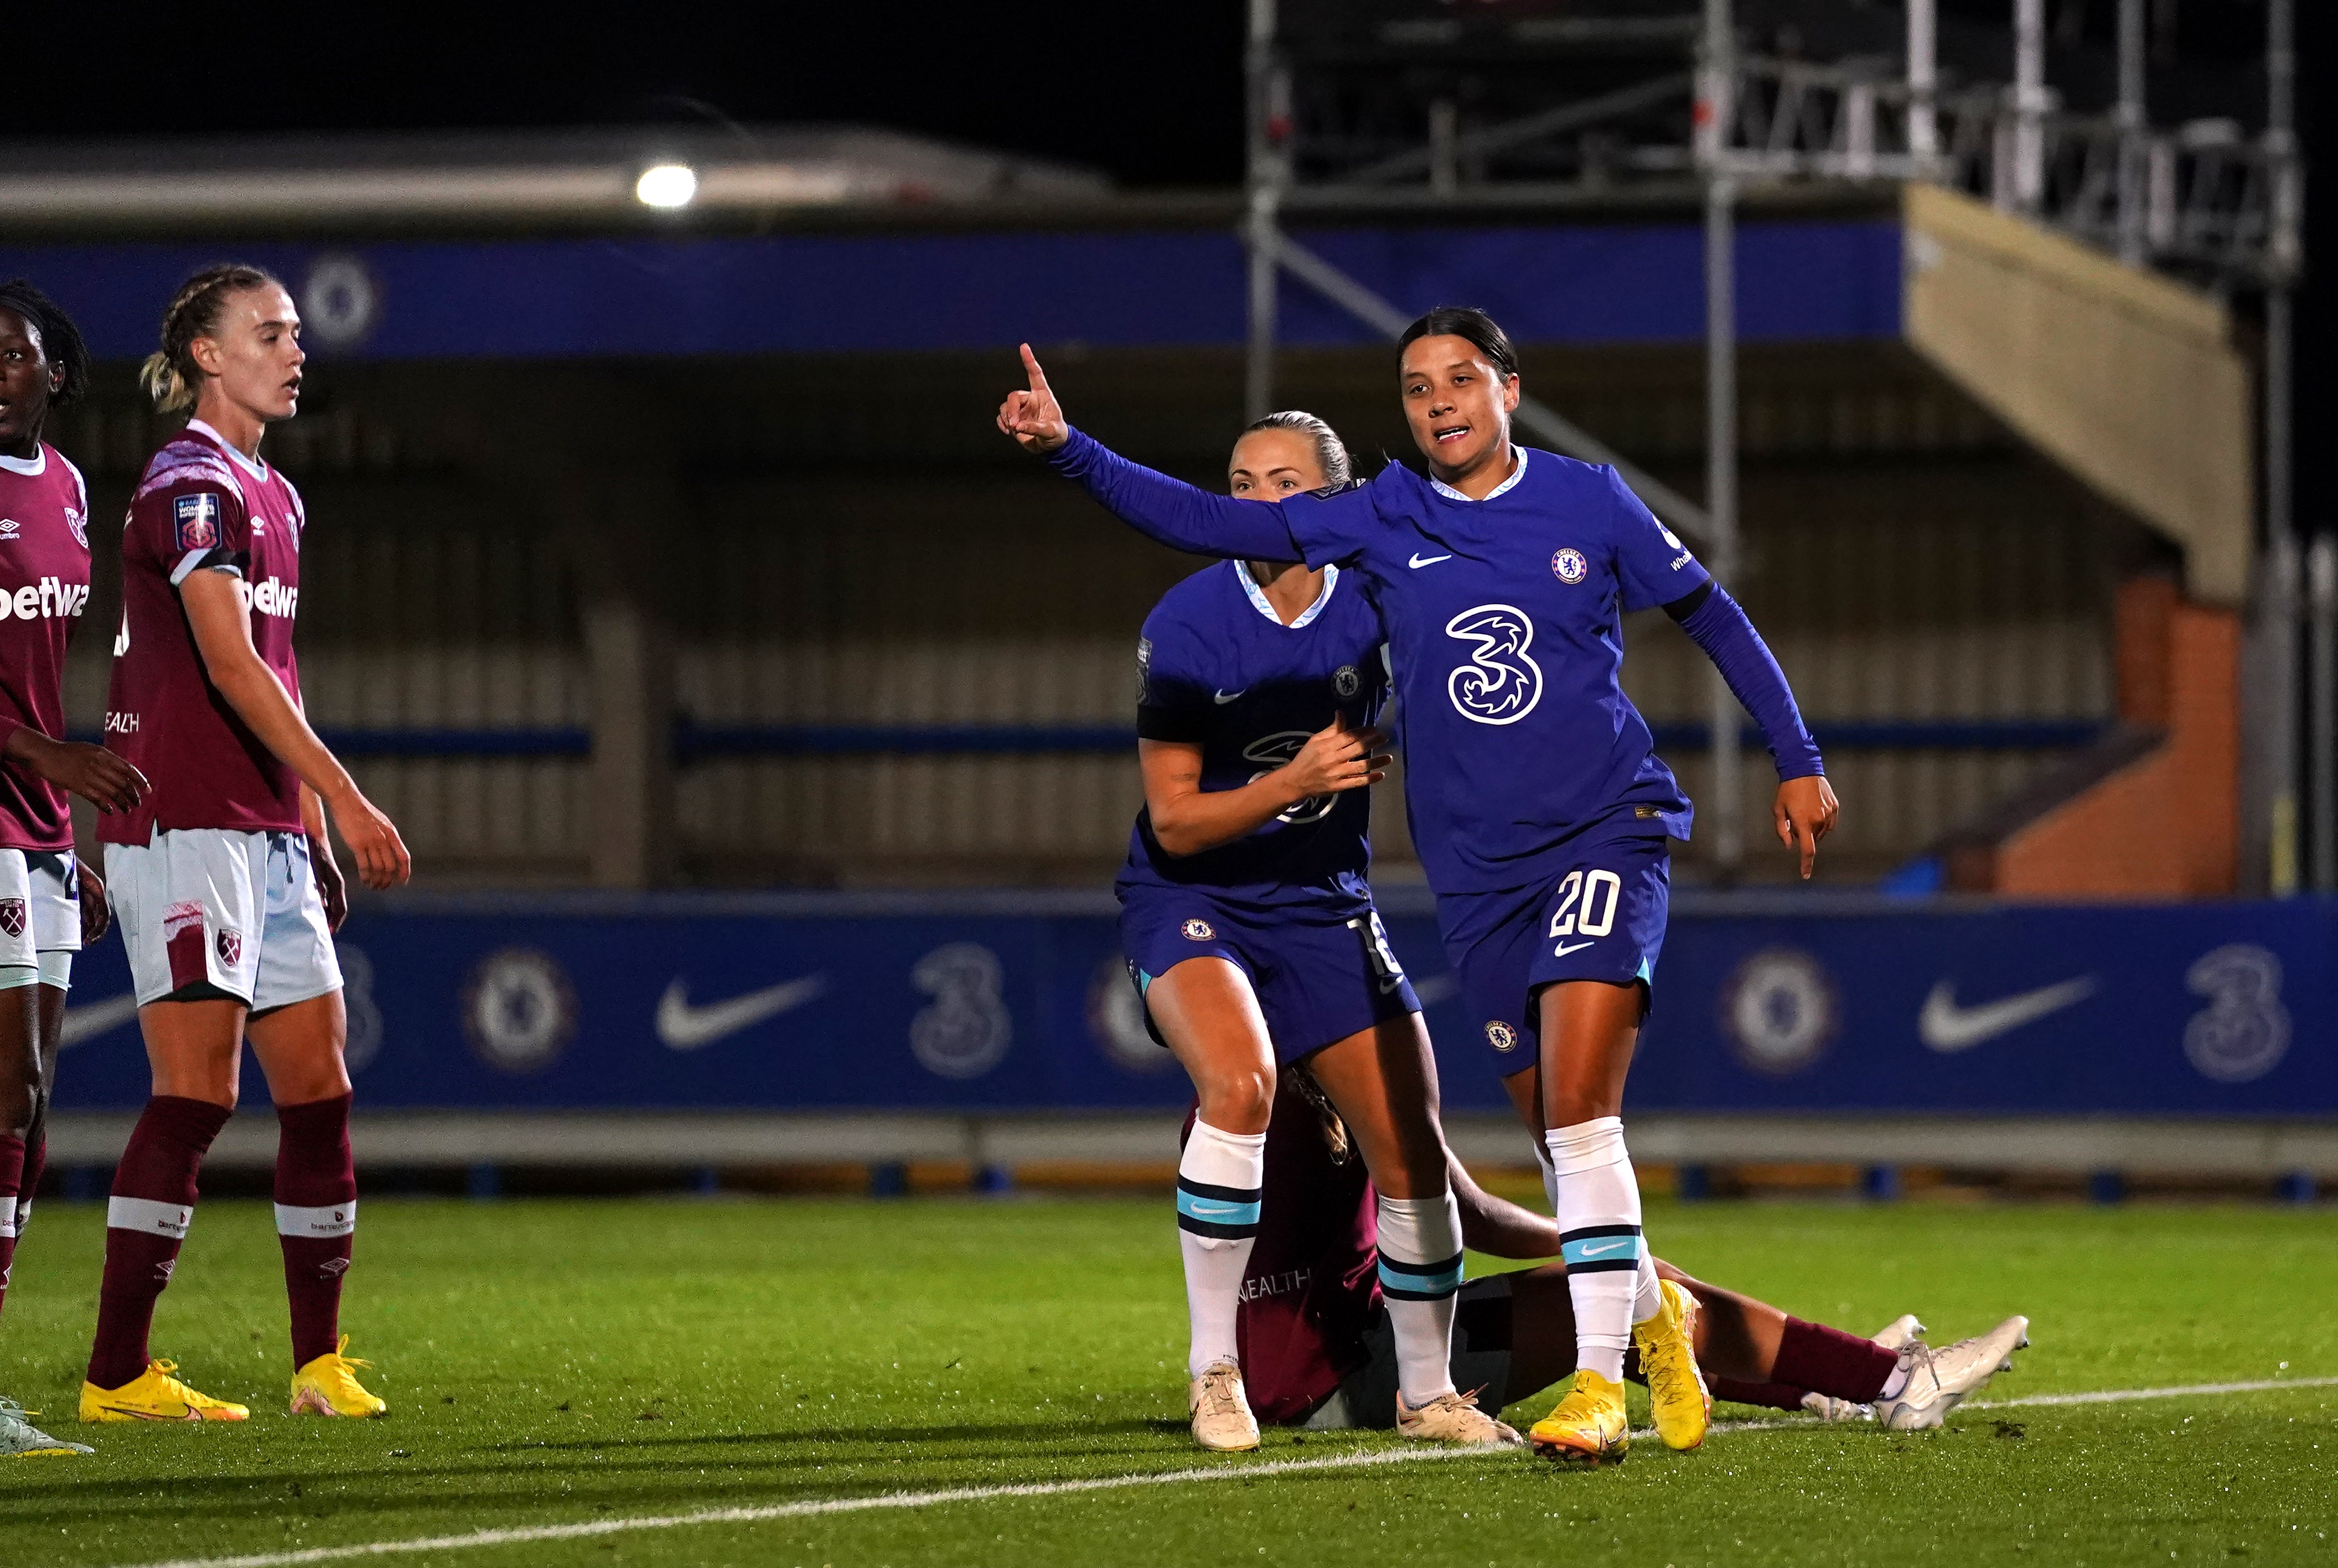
<point x="1222" y="698"/>
<point x="1419" y="560"/>
<point x="97" y="1018"/>
<point x="1946" y="1027"/>
<point x="1564" y="948"/>
<point x="686" y="1028"/>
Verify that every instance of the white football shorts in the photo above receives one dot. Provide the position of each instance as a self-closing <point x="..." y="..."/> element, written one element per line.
<point x="237" y="911"/>
<point x="40" y="905"/>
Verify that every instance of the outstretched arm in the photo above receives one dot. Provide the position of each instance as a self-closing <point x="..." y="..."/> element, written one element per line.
<point x="1804" y="811"/>
<point x="1168" y="510"/>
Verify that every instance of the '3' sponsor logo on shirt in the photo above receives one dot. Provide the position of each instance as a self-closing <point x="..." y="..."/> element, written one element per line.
<point x="1499" y="683"/>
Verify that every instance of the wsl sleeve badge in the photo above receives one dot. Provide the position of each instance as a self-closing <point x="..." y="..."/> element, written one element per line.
<point x="197" y="518"/>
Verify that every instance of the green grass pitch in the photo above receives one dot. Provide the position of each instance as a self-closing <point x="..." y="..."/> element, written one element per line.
<point x="557" y="1363"/>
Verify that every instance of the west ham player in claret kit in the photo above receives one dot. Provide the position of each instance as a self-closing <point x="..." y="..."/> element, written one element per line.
<point x="1542" y="813"/>
<point x="1319" y="1352"/>
<point x="49" y="902"/>
<point x="223" y="879"/>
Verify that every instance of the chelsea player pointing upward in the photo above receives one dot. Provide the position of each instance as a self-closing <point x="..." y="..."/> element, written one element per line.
<point x="1540" y="809"/>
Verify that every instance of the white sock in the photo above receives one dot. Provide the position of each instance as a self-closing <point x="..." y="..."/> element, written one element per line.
<point x="1647" y="1295"/>
<point x="1218" y="1181"/>
<point x="1647" y="1291"/>
<point x="1598" y="1210"/>
<point x="1420" y="1268"/>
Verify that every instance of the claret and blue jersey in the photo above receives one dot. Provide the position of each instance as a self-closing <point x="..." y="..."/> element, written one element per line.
<point x="1220" y="670"/>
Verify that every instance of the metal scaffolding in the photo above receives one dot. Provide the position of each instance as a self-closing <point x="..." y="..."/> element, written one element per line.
<point x="1382" y="107"/>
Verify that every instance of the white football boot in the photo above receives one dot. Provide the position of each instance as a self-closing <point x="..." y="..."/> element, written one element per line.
<point x="1455" y="1418"/>
<point x="1221" y="1419"/>
<point x="1940" y="1380"/>
<point x="20" y="1439"/>
<point x="1896" y="1335"/>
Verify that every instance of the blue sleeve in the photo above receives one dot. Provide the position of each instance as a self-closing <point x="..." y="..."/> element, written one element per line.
<point x="1171" y="511"/>
<point x="1172" y="691"/>
<point x="1652" y="565"/>
<point x="1330" y="527"/>
<point x="1720" y="627"/>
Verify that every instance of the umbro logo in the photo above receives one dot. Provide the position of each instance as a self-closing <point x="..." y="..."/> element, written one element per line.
<point x="9" y="529"/>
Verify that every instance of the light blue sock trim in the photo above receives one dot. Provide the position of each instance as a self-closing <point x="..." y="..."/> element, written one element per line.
<point x="1420" y="1281"/>
<point x="1608" y="1250"/>
<point x="1212" y="1208"/>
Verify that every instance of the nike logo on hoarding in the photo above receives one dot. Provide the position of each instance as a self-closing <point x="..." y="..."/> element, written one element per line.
<point x="1419" y="560"/>
<point x="1222" y="698"/>
<point x="97" y="1018"/>
<point x="686" y="1028"/>
<point x="1564" y="948"/>
<point x="1946" y="1027"/>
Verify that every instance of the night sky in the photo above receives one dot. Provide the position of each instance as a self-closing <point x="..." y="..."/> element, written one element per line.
<point x="1151" y="93"/>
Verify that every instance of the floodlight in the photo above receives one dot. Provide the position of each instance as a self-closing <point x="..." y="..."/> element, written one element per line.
<point x="666" y="185"/>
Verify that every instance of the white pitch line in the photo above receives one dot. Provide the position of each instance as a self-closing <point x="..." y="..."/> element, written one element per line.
<point x="2121" y="1396"/>
<point x="588" y="1529"/>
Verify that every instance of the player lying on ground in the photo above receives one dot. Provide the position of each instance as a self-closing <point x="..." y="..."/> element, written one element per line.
<point x="1317" y="1350"/>
<point x="49" y="901"/>
<point x="223" y="879"/>
<point x="1247" y="922"/>
<point x="1541" y="811"/>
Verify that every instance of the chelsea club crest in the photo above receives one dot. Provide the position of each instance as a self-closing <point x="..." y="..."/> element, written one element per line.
<point x="1570" y="565"/>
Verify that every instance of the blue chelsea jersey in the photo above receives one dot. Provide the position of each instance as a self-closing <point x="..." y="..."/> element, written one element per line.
<point x="1503" y="617"/>
<point x="1217" y="667"/>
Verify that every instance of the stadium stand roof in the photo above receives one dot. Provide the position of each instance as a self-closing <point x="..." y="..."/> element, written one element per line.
<point x="491" y="180"/>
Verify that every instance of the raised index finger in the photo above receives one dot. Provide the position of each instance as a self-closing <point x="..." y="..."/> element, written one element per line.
<point x="1031" y="369"/>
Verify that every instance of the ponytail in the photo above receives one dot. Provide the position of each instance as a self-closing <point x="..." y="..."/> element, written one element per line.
<point x="171" y="376"/>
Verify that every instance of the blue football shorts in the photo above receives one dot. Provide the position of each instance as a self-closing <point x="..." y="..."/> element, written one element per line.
<point x="1319" y="977"/>
<point x="1600" y="917"/>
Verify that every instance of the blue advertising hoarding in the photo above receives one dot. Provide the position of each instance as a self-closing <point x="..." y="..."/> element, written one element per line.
<point x="1009" y="1001"/>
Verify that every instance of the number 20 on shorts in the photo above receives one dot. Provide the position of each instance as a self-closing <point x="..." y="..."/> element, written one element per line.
<point x="1574" y="918"/>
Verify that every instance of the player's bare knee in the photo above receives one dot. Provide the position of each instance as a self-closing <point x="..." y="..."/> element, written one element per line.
<point x="1239" y="1102"/>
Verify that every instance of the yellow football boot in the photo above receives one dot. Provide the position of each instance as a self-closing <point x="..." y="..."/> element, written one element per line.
<point x="1667" y="1346"/>
<point x="155" y="1396"/>
<point x="1588" y="1426"/>
<point x="329" y="1387"/>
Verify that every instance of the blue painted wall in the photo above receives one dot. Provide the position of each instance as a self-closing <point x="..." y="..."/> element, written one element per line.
<point x="557" y="298"/>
